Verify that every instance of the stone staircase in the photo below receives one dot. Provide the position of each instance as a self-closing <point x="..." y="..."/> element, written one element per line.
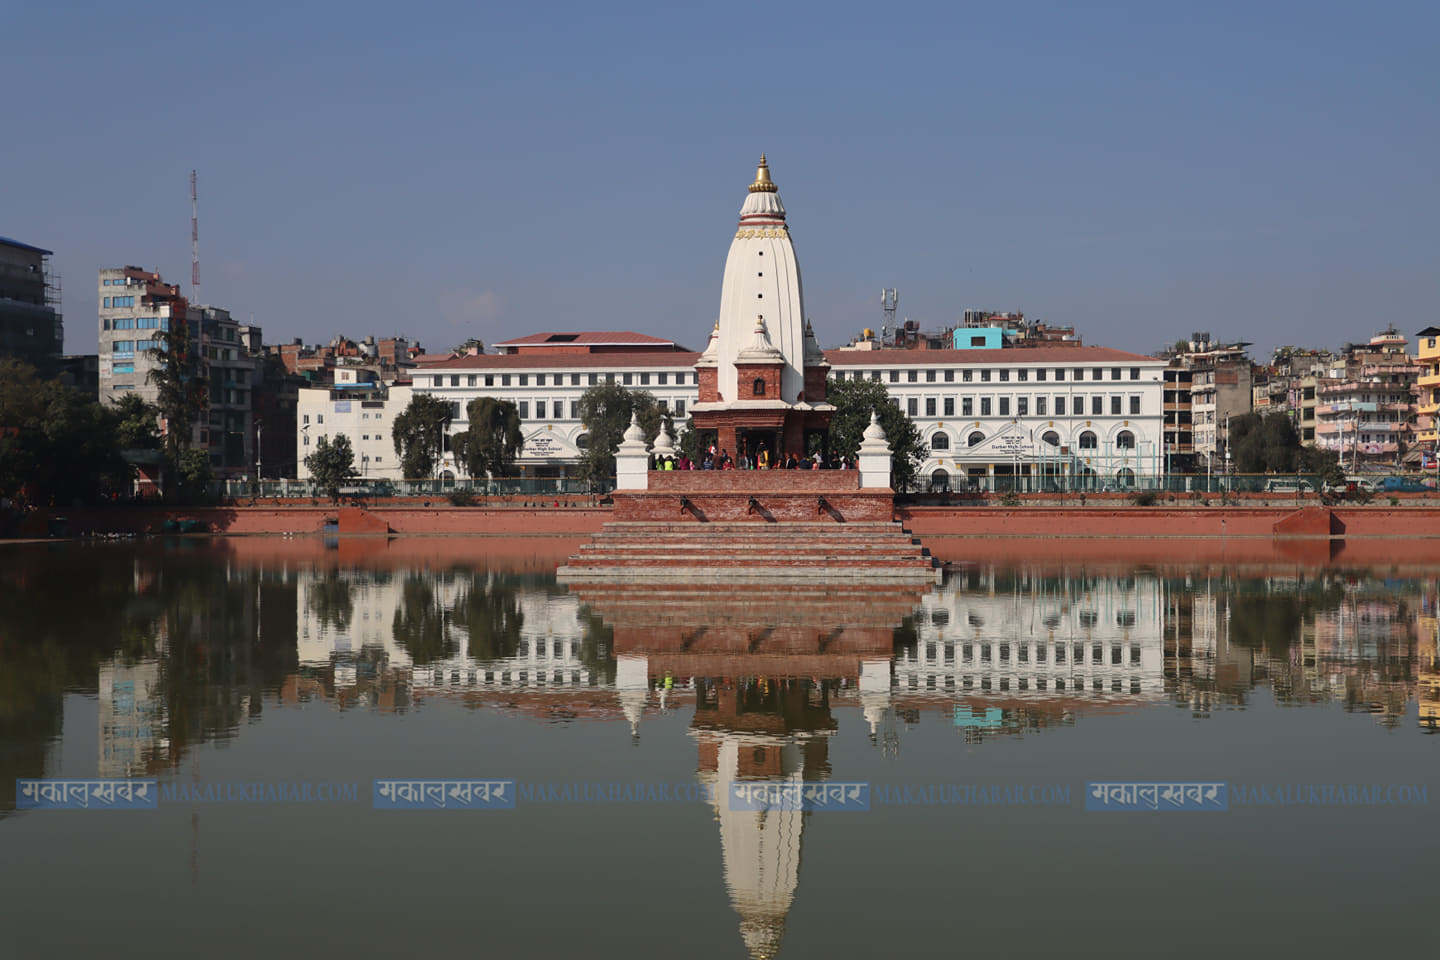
<point x="737" y="552"/>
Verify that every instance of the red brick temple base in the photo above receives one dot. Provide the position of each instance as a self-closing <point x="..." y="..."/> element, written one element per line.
<point x="748" y="525"/>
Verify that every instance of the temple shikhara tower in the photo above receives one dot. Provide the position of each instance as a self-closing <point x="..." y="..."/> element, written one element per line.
<point x="762" y="377"/>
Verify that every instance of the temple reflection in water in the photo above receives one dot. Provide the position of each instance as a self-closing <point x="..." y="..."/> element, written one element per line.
<point x="189" y="650"/>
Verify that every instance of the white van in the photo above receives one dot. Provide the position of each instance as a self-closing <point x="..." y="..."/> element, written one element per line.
<point x="1288" y="485"/>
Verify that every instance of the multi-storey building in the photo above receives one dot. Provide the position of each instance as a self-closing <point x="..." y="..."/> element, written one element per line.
<point x="1427" y="346"/>
<point x="363" y="408"/>
<point x="137" y="307"/>
<point x="1179" y="436"/>
<point x="1220" y="389"/>
<point x="1367" y="416"/>
<point x="30" y="326"/>
<point x="545" y="375"/>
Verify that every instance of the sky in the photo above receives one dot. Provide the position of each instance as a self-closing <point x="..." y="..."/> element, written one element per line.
<point x="1264" y="171"/>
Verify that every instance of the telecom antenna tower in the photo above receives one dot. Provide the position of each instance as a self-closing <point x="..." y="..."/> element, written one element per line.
<point x="889" y="298"/>
<point x="194" y="242"/>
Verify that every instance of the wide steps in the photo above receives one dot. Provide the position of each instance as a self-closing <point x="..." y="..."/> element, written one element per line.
<point x="750" y="551"/>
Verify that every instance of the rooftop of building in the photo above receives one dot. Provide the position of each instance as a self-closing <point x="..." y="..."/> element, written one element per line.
<point x="588" y="338"/>
<point x="1063" y="356"/>
<point x="530" y="361"/>
<point x="6" y="241"/>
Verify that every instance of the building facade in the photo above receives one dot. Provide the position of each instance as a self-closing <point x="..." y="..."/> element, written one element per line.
<point x="31" y="327"/>
<point x="137" y="308"/>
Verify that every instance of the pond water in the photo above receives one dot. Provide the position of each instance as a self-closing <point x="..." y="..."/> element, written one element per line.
<point x="266" y="685"/>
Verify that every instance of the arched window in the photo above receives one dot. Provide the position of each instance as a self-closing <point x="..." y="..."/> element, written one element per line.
<point x="1052" y="438"/>
<point x="1087" y="440"/>
<point x="1125" y="440"/>
<point x="976" y="438"/>
<point x="940" y="482"/>
<point x="582" y="442"/>
<point x="759" y="386"/>
<point x="1125" y="476"/>
<point x="941" y="441"/>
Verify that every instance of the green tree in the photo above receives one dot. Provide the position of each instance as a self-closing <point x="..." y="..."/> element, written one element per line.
<point x="1324" y="464"/>
<point x="332" y="463"/>
<point x="605" y="409"/>
<point x="137" y="429"/>
<point x="195" y="475"/>
<point x="492" y="441"/>
<point x="419" y="435"/>
<point x="853" y="401"/>
<point x="56" y="445"/>
<point x="1264" y="444"/>
<point x="182" y="391"/>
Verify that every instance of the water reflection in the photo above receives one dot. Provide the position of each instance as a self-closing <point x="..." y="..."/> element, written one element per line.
<point x="186" y="645"/>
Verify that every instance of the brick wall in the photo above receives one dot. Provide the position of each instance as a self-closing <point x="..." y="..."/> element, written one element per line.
<point x="769" y="507"/>
<point x="753" y="481"/>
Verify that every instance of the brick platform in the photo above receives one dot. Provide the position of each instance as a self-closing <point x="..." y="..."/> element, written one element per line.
<point x="708" y="552"/>
<point x="755" y="496"/>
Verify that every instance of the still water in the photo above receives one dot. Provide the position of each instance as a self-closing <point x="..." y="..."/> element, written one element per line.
<point x="974" y="713"/>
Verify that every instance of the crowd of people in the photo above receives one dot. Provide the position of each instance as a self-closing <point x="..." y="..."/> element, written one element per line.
<point x="712" y="459"/>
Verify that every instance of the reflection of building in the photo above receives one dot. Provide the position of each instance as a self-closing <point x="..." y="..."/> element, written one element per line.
<point x="132" y="718"/>
<point x="1031" y="637"/>
<point x="418" y="626"/>
<point x="771" y="730"/>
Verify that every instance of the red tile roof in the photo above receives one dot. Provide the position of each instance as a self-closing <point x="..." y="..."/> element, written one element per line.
<point x="587" y="338"/>
<point x="1050" y="356"/>
<point x="530" y="361"/>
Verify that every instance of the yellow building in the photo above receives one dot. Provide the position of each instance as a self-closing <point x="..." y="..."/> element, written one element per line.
<point x="1428" y="345"/>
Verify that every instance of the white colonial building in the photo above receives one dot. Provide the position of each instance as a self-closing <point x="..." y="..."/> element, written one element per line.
<point x="998" y="418"/>
<point x="362" y="409"/>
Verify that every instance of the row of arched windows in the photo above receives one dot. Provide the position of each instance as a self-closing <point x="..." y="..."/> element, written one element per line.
<point x="1124" y="440"/>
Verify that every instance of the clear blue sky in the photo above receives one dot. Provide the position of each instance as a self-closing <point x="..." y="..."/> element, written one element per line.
<point x="1265" y="171"/>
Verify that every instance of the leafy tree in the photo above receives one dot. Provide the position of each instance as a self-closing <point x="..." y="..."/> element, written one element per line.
<point x="853" y="400"/>
<point x="492" y="441"/>
<point x="1267" y="444"/>
<point x="1324" y="464"/>
<point x="419" y="435"/>
<point x="195" y="475"/>
<point x="332" y="463"/>
<point x="55" y="444"/>
<point x="137" y="429"/>
<point x="605" y="409"/>
<point x="181" y="387"/>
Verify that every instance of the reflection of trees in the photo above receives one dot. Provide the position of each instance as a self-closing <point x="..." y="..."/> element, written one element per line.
<point x="419" y="624"/>
<point x="489" y="612"/>
<point x="52" y="641"/>
<point x="230" y="639"/>
<point x="331" y="599"/>
<point x="597" y="646"/>
<point x="1265" y="620"/>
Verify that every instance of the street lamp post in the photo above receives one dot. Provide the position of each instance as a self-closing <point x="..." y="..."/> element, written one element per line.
<point x="259" y="446"/>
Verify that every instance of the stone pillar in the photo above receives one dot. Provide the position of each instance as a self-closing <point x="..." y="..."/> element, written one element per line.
<point x="632" y="459"/>
<point x="874" y="455"/>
